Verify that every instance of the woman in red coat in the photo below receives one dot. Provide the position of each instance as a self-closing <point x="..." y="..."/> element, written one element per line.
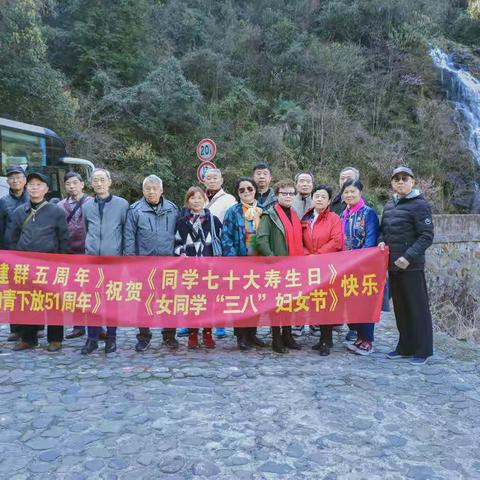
<point x="322" y="233"/>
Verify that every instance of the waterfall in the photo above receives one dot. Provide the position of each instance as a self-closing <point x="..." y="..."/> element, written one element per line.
<point x="463" y="90"/>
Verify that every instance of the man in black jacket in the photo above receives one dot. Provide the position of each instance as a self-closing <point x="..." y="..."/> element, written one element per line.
<point x="337" y="204"/>
<point x="17" y="195"/>
<point x="407" y="229"/>
<point x="39" y="226"/>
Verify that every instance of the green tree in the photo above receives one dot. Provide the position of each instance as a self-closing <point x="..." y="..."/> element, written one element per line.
<point x="30" y="89"/>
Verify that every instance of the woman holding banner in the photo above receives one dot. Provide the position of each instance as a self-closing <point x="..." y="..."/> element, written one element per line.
<point x="322" y="233"/>
<point x="280" y="234"/>
<point x="239" y="232"/>
<point x="198" y="234"/>
<point x="360" y="228"/>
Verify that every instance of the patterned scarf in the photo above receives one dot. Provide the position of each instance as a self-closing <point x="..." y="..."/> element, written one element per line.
<point x="347" y="213"/>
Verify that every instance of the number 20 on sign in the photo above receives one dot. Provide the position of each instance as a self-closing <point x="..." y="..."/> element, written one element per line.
<point x="206" y="150"/>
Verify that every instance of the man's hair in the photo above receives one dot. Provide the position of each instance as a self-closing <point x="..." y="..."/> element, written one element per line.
<point x="152" y="179"/>
<point x="297" y="176"/>
<point x="262" y="166"/>
<point x="352" y="183"/>
<point x="323" y="187"/>
<point x="70" y="175"/>
<point x="353" y="169"/>
<point x="102" y="170"/>
<point x="213" y="170"/>
<point x="283" y="184"/>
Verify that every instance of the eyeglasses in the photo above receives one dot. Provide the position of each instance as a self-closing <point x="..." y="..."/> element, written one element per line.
<point x="245" y="189"/>
<point x="404" y="179"/>
<point x="287" y="194"/>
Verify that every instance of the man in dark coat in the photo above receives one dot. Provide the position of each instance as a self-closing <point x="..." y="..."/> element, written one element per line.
<point x="262" y="174"/>
<point x="39" y="226"/>
<point x="16" y="196"/>
<point x="73" y="207"/>
<point x="407" y="229"/>
<point x="348" y="173"/>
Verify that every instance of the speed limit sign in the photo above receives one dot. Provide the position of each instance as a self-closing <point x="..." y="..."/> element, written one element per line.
<point x="206" y="150"/>
<point x="203" y="169"/>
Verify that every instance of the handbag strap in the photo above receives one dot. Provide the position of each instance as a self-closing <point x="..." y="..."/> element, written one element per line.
<point x="75" y="209"/>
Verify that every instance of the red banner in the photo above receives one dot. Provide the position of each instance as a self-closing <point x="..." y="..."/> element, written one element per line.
<point x="344" y="287"/>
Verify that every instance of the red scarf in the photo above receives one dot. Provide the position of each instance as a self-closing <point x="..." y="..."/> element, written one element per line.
<point x="293" y="231"/>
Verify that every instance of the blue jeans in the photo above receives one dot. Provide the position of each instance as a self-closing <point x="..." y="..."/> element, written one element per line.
<point x="94" y="332"/>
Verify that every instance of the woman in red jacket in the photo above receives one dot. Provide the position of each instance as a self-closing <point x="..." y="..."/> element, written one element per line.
<point x="322" y="233"/>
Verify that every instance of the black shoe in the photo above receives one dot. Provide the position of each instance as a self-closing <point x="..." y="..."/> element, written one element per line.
<point x="89" y="347"/>
<point x="278" y="347"/>
<point x="324" y="349"/>
<point x="171" y="342"/>
<point x="319" y="344"/>
<point x="254" y="341"/>
<point x="289" y="342"/>
<point x="13" y="337"/>
<point x="75" y="333"/>
<point x="242" y="344"/>
<point x="110" y="345"/>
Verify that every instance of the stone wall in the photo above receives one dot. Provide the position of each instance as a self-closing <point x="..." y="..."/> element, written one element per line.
<point x="453" y="269"/>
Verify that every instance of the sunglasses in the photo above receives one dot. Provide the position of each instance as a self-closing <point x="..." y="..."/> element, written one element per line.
<point x="245" y="189"/>
<point x="404" y="179"/>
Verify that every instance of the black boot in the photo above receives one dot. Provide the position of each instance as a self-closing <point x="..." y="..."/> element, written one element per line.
<point x="242" y="339"/>
<point x="169" y="339"/>
<point x="89" y="346"/>
<point x="324" y="349"/>
<point x="277" y="343"/>
<point x="110" y="345"/>
<point x="253" y="340"/>
<point x="288" y="340"/>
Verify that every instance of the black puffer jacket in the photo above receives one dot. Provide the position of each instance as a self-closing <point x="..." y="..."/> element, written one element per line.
<point x="407" y="229"/>
<point x="46" y="232"/>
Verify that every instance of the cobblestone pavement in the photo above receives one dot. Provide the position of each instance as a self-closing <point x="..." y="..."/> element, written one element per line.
<point x="226" y="414"/>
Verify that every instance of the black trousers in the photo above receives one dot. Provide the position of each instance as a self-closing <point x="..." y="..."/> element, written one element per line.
<point x="412" y="312"/>
<point x="326" y="333"/>
<point x="245" y="331"/>
<point x="28" y="333"/>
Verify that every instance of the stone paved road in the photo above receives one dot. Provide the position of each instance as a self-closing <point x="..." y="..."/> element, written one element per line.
<point x="232" y="415"/>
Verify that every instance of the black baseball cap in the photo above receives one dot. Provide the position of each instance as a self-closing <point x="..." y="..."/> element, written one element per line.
<point x="40" y="176"/>
<point x="403" y="169"/>
<point x="14" y="169"/>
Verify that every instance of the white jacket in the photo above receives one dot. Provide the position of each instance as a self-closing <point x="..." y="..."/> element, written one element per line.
<point x="220" y="203"/>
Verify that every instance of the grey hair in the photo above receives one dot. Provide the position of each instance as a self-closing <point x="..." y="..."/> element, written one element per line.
<point x="353" y="169"/>
<point x="152" y="179"/>
<point x="297" y="176"/>
<point x="213" y="170"/>
<point x="102" y="170"/>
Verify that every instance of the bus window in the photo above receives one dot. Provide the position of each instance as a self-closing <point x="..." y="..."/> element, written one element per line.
<point x="28" y="151"/>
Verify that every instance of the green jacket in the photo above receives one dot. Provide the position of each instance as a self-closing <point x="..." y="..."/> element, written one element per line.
<point x="271" y="240"/>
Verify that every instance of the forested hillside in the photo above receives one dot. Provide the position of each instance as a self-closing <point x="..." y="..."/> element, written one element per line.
<point x="309" y="84"/>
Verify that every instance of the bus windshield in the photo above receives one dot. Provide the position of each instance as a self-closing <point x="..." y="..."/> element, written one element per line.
<point x="23" y="149"/>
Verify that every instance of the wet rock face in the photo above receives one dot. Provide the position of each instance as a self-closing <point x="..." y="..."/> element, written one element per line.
<point x="465" y="191"/>
<point x="462" y="87"/>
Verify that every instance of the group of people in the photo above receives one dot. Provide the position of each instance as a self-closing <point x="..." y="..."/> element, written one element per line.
<point x="291" y="218"/>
